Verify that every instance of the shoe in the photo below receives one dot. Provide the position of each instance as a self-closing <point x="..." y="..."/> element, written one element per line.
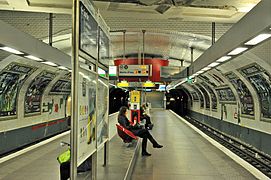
<point x="157" y="146"/>
<point x="145" y="154"/>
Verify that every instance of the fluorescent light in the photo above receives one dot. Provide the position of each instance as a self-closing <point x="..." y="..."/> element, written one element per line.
<point x="11" y="50"/>
<point x="70" y="70"/>
<point x="213" y="64"/>
<point x="258" y="39"/>
<point x="62" y="67"/>
<point x="201" y="71"/>
<point x="237" y="51"/>
<point x="223" y="59"/>
<point x="206" y="69"/>
<point x="33" y="58"/>
<point x="49" y="63"/>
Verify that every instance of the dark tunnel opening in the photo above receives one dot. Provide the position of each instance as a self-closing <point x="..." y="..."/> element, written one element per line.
<point x="117" y="98"/>
<point x="177" y="101"/>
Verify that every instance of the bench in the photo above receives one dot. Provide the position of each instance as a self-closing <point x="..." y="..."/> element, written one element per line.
<point x="126" y="135"/>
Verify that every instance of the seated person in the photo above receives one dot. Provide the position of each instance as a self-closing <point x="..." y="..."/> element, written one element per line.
<point x="144" y="115"/>
<point x="137" y="130"/>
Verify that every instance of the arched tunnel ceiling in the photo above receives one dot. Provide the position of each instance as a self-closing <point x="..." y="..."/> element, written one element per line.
<point x="169" y="35"/>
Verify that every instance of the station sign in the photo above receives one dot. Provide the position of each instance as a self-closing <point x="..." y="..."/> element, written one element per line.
<point x="134" y="70"/>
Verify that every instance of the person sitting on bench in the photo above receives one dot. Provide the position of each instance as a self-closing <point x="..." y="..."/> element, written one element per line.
<point x="137" y="130"/>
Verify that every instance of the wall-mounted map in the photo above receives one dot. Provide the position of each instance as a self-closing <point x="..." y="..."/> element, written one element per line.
<point x="261" y="81"/>
<point x="11" y="80"/>
<point x="246" y="100"/>
<point x="35" y="91"/>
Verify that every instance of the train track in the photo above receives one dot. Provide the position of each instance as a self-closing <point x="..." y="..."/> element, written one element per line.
<point x="253" y="156"/>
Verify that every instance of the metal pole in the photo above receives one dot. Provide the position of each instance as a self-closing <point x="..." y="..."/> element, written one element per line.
<point x="75" y="82"/>
<point x="51" y="29"/>
<point x="143" y="48"/>
<point x="124" y="44"/>
<point x="213" y="33"/>
<point x="192" y="58"/>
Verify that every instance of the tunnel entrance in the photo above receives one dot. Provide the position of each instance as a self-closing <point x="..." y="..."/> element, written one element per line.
<point x="177" y="101"/>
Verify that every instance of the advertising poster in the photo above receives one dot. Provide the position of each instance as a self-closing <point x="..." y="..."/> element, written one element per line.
<point x="11" y="80"/>
<point x="211" y="92"/>
<point x="200" y="96"/>
<point x="195" y="96"/>
<point x="102" y="111"/>
<point x="104" y="47"/>
<point x="34" y="92"/>
<point x="88" y="31"/>
<point x="225" y="94"/>
<point x="246" y="100"/>
<point x="61" y="87"/>
<point x="261" y="81"/>
<point x="206" y="96"/>
<point x="87" y="114"/>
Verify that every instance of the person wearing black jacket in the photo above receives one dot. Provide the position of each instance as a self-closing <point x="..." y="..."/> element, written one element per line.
<point x="137" y="130"/>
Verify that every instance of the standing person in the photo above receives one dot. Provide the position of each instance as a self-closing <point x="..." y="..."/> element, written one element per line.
<point x="137" y="130"/>
<point x="144" y="115"/>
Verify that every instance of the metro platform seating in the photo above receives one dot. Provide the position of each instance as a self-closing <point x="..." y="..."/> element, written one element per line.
<point x="126" y="135"/>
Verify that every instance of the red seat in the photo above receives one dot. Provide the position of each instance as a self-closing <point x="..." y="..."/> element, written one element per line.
<point x="125" y="134"/>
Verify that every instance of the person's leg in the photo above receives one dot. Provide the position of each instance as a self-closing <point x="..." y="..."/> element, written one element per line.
<point x="144" y="147"/>
<point x="153" y="141"/>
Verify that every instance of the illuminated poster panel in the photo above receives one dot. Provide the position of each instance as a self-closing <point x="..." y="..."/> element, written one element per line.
<point x="104" y="48"/>
<point x="261" y="81"/>
<point x="246" y="100"/>
<point x="88" y="31"/>
<point x="225" y="95"/>
<point x="11" y="80"/>
<point x="102" y="111"/>
<point x="206" y="96"/>
<point x="87" y="114"/>
<point x="211" y="92"/>
<point x="33" y="95"/>
<point x="200" y="96"/>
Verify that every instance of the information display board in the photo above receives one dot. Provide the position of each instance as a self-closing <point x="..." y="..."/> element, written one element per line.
<point x="104" y="47"/>
<point x="225" y="95"/>
<point x="87" y="114"/>
<point x="213" y="96"/>
<point x="134" y="70"/>
<point x="11" y="80"/>
<point x="88" y="31"/>
<point x="102" y="111"/>
<point x="33" y="95"/>
<point x="246" y="99"/>
<point x="261" y="81"/>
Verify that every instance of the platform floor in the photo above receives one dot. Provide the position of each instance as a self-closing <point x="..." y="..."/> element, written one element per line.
<point x="185" y="155"/>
